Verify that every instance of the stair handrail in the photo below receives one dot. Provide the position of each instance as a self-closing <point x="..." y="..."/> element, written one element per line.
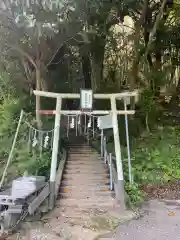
<point x="108" y="160"/>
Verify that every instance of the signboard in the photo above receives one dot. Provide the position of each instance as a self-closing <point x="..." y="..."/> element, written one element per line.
<point x="86" y="99"/>
<point x="105" y="122"/>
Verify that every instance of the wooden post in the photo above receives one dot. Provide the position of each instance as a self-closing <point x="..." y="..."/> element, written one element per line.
<point x="12" y="149"/>
<point x="55" y="153"/>
<point x="120" y="182"/>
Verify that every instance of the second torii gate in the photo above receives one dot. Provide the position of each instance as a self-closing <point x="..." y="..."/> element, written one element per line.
<point x="58" y="112"/>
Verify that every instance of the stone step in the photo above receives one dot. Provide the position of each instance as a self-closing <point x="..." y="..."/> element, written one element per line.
<point x="84" y="162"/>
<point x="99" y="202"/>
<point x="89" y="174"/>
<point x="92" y="183"/>
<point x="82" y="176"/>
<point x="79" y="149"/>
<point x="83" y="150"/>
<point x="98" y="165"/>
<point x="84" y="158"/>
<point x="85" y="183"/>
<point x="86" y="171"/>
<point x="70" y="213"/>
<point x="84" y="155"/>
<point x="85" y="195"/>
<point x="82" y="166"/>
<point x="88" y="181"/>
<point x="86" y="167"/>
<point x="82" y="188"/>
<point x="78" y="212"/>
<point x="80" y="146"/>
<point x="77" y="144"/>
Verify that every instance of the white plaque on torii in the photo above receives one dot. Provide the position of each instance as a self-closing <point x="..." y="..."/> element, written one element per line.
<point x="86" y="99"/>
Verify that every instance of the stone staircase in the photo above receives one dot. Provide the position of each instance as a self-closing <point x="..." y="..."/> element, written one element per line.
<point x="83" y="210"/>
<point x="85" y="181"/>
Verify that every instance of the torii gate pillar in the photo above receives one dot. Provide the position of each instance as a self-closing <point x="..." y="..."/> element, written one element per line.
<point x="55" y="152"/>
<point x="120" y="193"/>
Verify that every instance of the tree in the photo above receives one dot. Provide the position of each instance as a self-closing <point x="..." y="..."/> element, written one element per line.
<point x="35" y="34"/>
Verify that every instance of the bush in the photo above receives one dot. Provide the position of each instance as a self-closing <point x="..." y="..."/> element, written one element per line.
<point x="156" y="157"/>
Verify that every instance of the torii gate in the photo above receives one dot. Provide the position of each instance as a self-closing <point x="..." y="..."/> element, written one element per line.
<point x="58" y="112"/>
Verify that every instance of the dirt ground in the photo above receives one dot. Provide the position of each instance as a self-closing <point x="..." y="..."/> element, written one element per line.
<point x="161" y="222"/>
<point x="169" y="190"/>
<point x="81" y="224"/>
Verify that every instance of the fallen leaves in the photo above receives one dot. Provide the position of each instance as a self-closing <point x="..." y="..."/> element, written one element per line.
<point x="171" y="214"/>
<point x="168" y="191"/>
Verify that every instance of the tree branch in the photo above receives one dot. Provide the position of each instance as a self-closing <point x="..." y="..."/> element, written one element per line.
<point x="57" y="50"/>
<point x="23" y="53"/>
<point x="153" y="32"/>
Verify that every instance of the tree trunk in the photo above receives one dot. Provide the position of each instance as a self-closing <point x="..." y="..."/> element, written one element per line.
<point x="158" y="68"/>
<point x="97" y="72"/>
<point x="38" y="98"/>
<point x="155" y="27"/>
<point x="135" y="64"/>
<point x="43" y="77"/>
<point x="86" y="68"/>
<point x="97" y="62"/>
<point x="178" y="88"/>
<point x="175" y="98"/>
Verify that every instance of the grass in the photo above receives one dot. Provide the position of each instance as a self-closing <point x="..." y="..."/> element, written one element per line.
<point x="155" y="160"/>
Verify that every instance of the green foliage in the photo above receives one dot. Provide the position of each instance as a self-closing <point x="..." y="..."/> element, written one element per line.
<point x="9" y="110"/>
<point x="10" y="107"/>
<point x="135" y="194"/>
<point x="34" y="164"/>
<point x="156" y="158"/>
<point x="147" y="99"/>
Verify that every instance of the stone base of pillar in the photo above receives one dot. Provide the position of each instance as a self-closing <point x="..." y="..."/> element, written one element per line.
<point x="120" y="194"/>
<point x="52" y="195"/>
